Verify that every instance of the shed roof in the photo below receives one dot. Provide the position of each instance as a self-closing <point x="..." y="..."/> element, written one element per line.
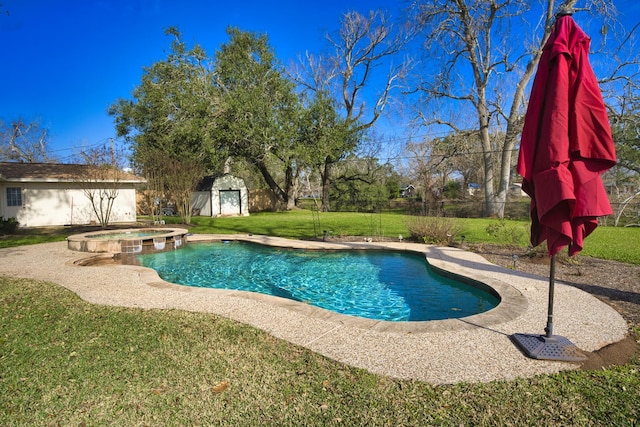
<point x="207" y="183"/>
<point x="55" y="172"/>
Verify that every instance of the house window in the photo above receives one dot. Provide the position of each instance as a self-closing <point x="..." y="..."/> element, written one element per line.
<point x="14" y="196"/>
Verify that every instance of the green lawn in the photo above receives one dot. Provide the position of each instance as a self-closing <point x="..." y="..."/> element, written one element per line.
<point x="65" y="362"/>
<point x="304" y="224"/>
<point x="613" y="243"/>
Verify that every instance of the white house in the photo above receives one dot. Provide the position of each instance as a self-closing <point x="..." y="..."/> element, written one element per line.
<point x="41" y="194"/>
<point x="226" y="195"/>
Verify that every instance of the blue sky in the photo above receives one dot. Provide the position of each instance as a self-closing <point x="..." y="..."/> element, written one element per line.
<point x="65" y="61"/>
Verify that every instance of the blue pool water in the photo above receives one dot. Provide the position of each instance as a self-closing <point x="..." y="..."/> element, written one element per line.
<point x="382" y="285"/>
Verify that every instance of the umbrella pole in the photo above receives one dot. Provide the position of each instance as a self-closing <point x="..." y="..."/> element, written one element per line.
<point x="552" y="279"/>
<point x="549" y="346"/>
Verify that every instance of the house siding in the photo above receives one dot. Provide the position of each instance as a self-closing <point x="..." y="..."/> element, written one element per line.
<point x="45" y="204"/>
<point x="52" y="193"/>
<point x="201" y="203"/>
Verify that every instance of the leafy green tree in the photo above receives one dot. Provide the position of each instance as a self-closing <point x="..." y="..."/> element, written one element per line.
<point x="170" y="122"/>
<point x="363" y="184"/>
<point x="328" y="138"/>
<point x="261" y="110"/>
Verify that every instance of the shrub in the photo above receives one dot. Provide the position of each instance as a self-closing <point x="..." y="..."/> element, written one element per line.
<point x="8" y="225"/>
<point x="507" y="233"/>
<point x="433" y="229"/>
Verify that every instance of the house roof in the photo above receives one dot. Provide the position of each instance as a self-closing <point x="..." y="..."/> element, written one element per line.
<point x="54" y="172"/>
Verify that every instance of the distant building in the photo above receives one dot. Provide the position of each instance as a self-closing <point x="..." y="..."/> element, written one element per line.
<point x="472" y="188"/>
<point x="516" y="190"/>
<point x="407" y="191"/>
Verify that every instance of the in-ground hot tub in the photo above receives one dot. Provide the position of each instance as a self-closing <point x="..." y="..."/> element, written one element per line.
<point x="134" y="240"/>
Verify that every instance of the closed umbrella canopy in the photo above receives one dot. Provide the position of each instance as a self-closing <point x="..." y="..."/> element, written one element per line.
<point x="566" y="143"/>
<point x="566" y="146"/>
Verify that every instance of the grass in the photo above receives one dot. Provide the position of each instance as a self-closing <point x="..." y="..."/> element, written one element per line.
<point x="300" y="224"/>
<point x="66" y="362"/>
<point x="612" y="243"/>
<point x="31" y="237"/>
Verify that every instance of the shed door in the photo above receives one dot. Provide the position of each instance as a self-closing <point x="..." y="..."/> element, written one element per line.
<point x="230" y="202"/>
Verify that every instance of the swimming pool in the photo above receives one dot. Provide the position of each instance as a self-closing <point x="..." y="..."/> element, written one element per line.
<point x="374" y="284"/>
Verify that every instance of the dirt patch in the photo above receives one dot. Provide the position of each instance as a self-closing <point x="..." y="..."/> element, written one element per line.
<point x="617" y="353"/>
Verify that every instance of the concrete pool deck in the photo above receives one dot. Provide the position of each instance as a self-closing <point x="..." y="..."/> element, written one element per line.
<point x="472" y="349"/>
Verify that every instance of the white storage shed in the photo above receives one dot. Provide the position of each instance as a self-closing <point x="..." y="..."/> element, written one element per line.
<point x="226" y="195"/>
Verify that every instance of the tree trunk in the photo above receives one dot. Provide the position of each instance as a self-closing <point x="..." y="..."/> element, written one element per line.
<point x="510" y="140"/>
<point x="290" y="188"/>
<point x="326" y="184"/>
<point x="281" y="196"/>
<point x="487" y="156"/>
<point x="184" y="206"/>
<point x="489" y="192"/>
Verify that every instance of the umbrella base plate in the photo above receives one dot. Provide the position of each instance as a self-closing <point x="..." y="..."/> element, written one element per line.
<point x="548" y="348"/>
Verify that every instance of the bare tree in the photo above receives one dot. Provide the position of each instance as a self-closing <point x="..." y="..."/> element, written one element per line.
<point x="432" y="163"/>
<point x="485" y="71"/>
<point x="349" y="74"/>
<point x="170" y="178"/>
<point x="22" y="141"/>
<point x="181" y="181"/>
<point x="364" y="43"/>
<point x="101" y="181"/>
<point x="154" y="172"/>
<point x="423" y="166"/>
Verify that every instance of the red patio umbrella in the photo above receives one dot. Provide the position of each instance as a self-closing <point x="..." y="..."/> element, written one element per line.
<point x="566" y="146"/>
